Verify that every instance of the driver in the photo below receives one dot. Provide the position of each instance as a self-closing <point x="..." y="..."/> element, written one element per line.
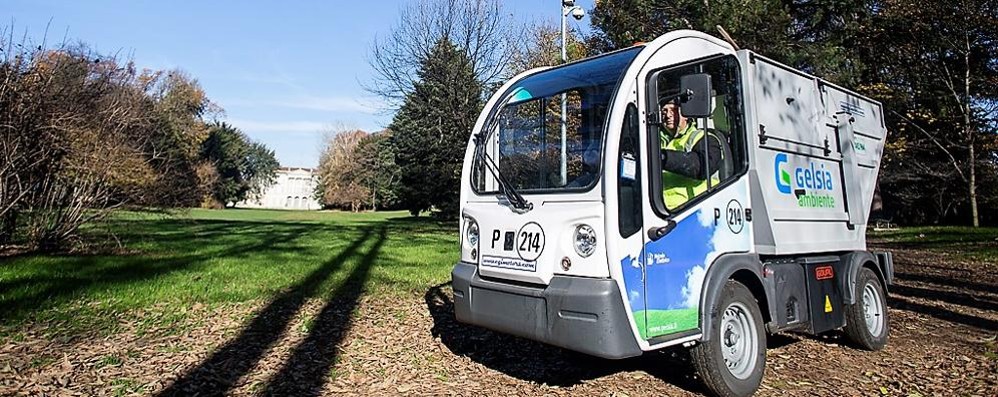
<point x="685" y="161"/>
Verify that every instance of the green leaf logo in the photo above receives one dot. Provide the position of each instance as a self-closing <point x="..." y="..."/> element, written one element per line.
<point x="785" y="176"/>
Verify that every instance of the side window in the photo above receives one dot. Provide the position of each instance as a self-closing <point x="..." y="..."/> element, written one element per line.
<point x="696" y="155"/>
<point x="629" y="175"/>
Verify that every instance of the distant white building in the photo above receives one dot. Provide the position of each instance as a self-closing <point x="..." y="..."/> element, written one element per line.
<point x="294" y="189"/>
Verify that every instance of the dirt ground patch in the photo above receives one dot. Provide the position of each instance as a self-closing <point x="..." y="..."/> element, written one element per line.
<point x="944" y="321"/>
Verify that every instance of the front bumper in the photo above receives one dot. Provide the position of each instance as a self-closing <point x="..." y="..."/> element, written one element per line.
<point x="581" y="314"/>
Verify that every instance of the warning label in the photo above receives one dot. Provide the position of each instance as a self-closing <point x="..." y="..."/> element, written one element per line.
<point x="824" y="273"/>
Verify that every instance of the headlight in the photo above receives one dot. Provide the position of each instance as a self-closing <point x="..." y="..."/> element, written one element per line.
<point x="585" y="240"/>
<point x="471" y="232"/>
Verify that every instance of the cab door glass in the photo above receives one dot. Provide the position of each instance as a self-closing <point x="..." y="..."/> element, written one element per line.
<point x="697" y="155"/>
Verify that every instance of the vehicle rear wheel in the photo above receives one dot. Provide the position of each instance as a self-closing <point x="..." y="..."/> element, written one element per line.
<point x="867" y="324"/>
<point x="733" y="361"/>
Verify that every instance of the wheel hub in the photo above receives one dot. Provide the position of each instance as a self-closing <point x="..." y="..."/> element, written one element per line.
<point x="873" y="310"/>
<point x="738" y="336"/>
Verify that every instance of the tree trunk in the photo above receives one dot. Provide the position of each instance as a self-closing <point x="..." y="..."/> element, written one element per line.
<point x="8" y="227"/>
<point x="973" y="188"/>
<point x="969" y="133"/>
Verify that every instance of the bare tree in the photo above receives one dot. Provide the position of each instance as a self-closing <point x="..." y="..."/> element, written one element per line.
<point x="341" y="178"/>
<point x="541" y="46"/>
<point x="82" y="134"/>
<point x="481" y="29"/>
<point x="68" y="126"/>
<point x="952" y="67"/>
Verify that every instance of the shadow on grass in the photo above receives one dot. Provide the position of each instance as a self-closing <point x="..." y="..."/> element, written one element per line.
<point x="168" y="247"/>
<point x="218" y="374"/>
<point x="306" y="371"/>
<point x="539" y="363"/>
<point x="946" y="281"/>
<point x="969" y="245"/>
<point x="66" y="278"/>
<point x="424" y="222"/>
<point x="944" y="314"/>
<point x="958" y="298"/>
<point x="787" y="338"/>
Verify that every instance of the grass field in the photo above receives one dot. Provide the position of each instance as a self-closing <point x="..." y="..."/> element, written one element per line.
<point x="980" y="244"/>
<point x="252" y="302"/>
<point x="210" y="257"/>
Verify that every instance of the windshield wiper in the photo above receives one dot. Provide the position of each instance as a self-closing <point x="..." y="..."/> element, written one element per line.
<point x="520" y="205"/>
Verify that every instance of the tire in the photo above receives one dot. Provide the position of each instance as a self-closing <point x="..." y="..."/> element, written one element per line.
<point x="867" y="323"/>
<point x="729" y="365"/>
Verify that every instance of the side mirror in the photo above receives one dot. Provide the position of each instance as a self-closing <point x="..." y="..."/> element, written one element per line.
<point x="696" y="99"/>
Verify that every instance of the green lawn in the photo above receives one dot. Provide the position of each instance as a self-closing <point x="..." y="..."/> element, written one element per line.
<point x="210" y="257"/>
<point x="978" y="244"/>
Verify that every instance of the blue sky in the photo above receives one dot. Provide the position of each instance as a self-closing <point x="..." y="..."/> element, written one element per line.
<point x="282" y="71"/>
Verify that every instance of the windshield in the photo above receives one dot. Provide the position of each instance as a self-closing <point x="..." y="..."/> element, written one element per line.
<point x="549" y="134"/>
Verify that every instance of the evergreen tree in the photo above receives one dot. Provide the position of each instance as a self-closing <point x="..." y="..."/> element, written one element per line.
<point x="932" y="64"/>
<point x="376" y="155"/>
<point x="244" y="167"/>
<point x="813" y="35"/>
<point x="431" y="130"/>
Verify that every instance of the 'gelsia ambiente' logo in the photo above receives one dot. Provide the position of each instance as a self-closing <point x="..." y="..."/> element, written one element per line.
<point x="782" y="176"/>
<point x="811" y="185"/>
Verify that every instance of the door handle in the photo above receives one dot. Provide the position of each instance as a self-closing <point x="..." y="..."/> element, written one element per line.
<point x="656" y="233"/>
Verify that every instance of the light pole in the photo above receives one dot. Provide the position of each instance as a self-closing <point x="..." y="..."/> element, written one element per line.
<point x="567" y="7"/>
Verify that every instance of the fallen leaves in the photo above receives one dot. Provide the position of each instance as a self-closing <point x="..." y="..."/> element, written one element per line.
<point x="411" y="345"/>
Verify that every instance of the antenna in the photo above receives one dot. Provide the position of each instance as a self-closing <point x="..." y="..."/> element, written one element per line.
<point x="727" y="37"/>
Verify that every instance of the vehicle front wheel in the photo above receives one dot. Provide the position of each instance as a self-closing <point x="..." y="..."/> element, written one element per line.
<point x="866" y="320"/>
<point x="732" y="362"/>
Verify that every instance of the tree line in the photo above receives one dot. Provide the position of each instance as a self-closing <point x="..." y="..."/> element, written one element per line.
<point x="932" y="65"/>
<point x="83" y="134"/>
<point x="357" y="170"/>
<point x="433" y="68"/>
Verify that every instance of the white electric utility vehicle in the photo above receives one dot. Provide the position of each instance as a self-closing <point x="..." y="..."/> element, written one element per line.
<point x="567" y="236"/>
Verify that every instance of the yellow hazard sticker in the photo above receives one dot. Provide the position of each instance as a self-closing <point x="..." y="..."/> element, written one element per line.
<point x="828" y="305"/>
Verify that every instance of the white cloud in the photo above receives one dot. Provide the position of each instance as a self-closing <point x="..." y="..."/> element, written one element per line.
<point x="279" y="126"/>
<point x="635" y="263"/>
<point x="342" y="104"/>
<point x="269" y="78"/>
<point x="333" y="104"/>
<point x="694" y="277"/>
<point x="721" y="241"/>
<point x="694" y="283"/>
<point x="706" y="218"/>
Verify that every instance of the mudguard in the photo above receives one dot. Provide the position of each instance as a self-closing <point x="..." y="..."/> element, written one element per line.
<point x="852" y="262"/>
<point x="719" y="273"/>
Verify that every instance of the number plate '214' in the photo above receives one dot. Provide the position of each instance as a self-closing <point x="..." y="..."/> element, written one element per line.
<point x="529" y="241"/>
